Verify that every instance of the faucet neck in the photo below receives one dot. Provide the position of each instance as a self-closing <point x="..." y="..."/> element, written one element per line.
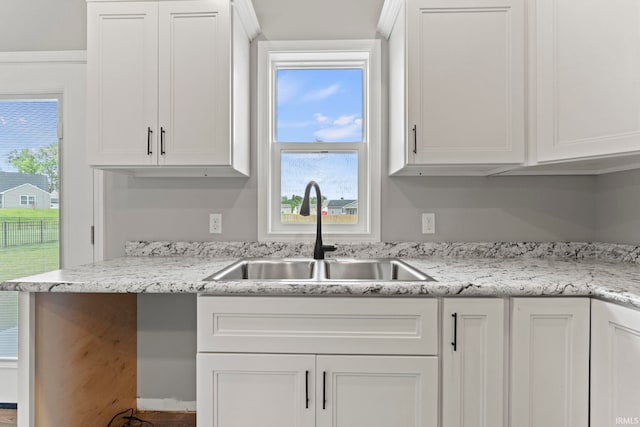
<point x="319" y="248"/>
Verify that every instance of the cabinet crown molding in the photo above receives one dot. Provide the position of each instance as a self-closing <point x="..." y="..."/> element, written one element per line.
<point x="388" y="16"/>
<point x="247" y="15"/>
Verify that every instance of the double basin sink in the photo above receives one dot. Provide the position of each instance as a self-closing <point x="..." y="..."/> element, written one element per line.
<point x="386" y="269"/>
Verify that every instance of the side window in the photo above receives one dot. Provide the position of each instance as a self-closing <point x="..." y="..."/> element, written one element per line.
<point x="319" y="120"/>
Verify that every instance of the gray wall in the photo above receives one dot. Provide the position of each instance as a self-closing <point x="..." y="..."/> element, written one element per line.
<point x="27" y="25"/>
<point x="617" y="198"/>
<point x="467" y="209"/>
<point x="167" y="347"/>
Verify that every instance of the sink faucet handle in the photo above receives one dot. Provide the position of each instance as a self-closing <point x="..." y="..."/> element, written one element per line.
<point x="329" y="248"/>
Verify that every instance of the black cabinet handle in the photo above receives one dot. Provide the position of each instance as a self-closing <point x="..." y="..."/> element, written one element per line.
<point x="306" y="388"/>
<point x="162" y="141"/>
<point x="415" y="139"/>
<point x="455" y="331"/>
<point x="149" y="132"/>
<point x="324" y="390"/>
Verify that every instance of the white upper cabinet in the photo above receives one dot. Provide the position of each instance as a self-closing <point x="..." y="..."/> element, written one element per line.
<point x="585" y="69"/>
<point x="123" y="83"/>
<point x="168" y="86"/>
<point x="456" y="85"/>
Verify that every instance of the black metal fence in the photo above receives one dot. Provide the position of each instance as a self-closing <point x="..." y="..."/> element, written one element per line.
<point x="28" y="232"/>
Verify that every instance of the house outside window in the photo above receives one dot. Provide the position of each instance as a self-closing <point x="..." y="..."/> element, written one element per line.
<point x="319" y="119"/>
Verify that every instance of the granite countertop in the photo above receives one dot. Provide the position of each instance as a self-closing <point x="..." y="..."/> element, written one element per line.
<point x="617" y="282"/>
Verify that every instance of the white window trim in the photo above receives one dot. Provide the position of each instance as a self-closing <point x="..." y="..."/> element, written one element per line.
<point x="63" y="75"/>
<point x="270" y="53"/>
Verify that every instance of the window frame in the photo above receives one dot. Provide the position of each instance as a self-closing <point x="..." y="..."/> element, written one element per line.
<point x="28" y="197"/>
<point x="334" y="54"/>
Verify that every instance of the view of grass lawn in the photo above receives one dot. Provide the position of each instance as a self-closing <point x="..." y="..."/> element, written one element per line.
<point x="20" y="261"/>
<point x="23" y="261"/>
<point x="12" y="214"/>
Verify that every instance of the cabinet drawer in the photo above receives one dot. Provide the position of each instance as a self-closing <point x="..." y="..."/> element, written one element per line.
<point x="318" y="325"/>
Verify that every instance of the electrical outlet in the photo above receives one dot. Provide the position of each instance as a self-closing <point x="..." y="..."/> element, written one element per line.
<point x="215" y="223"/>
<point x="428" y="223"/>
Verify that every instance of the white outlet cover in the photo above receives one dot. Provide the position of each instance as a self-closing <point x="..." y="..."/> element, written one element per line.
<point x="215" y="223"/>
<point x="428" y="223"/>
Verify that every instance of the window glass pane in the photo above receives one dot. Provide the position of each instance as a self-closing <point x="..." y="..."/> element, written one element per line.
<point x="337" y="175"/>
<point x="29" y="225"/>
<point x="319" y="105"/>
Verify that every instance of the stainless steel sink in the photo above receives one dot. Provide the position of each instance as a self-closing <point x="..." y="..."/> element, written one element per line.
<point x="372" y="269"/>
<point x="385" y="269"/>
<point x="268" y="269"/>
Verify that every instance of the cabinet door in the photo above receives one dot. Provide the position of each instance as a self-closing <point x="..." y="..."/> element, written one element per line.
<point x="122" y="101"/>
<point x="473" y="369"/>
<point x="239" y="390"/>
<point x="586" y="77"/>
<point x="465" y="83"/>
<point x="195" y="81"/>
<point x="377" y="391"/>
<point x="550" y="362"/>
<point x="615" y="372"/>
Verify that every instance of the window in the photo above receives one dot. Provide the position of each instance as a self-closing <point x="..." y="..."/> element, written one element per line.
<point x="319" y="119"/>
<point x="28" y="201"/>
<point x="29" y="233"/>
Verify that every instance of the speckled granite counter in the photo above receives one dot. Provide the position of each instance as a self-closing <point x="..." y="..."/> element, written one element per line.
<point x="468" y="276"/>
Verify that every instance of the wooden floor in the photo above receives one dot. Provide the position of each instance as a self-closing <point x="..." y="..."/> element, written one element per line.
<point x="168" y="419"/>
<point x="159" y="419"/>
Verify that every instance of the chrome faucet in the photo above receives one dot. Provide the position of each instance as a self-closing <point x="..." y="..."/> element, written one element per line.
<point x="320" y="249"/>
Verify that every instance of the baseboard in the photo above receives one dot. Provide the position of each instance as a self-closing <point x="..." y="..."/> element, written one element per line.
<point x="12" y="406"/>
<point x="165" y="405"/>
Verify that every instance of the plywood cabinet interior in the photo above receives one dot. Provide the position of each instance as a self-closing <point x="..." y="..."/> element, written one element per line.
<point x="168" y="86"/>
<point x="458" y="103"/>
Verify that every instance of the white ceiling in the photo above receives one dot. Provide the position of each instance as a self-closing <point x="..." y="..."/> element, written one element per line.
<point x="318" y="19"/>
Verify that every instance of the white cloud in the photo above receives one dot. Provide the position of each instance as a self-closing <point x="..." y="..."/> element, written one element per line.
<point x="321" y="94"/>
<point x="351" y="132"/>
<point x="3" y="121"/>
<point x="345" y="120"/>
<point x="22" y="120"/>
<point x="321" y="118"/>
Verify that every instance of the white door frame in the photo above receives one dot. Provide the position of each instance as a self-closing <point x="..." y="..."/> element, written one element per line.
<point x="61" y="74"/>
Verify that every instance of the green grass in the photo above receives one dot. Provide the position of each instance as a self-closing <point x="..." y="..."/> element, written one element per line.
<point x="20" y="261"/>
<point x="23" y="261"/>
<point x="11" y="214"/>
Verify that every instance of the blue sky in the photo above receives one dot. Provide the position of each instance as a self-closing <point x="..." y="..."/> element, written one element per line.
<point x="319" y="105"/>
<point x="26" y="124"/>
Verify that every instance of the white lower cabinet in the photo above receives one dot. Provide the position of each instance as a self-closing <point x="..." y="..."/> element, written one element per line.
<point x="550" y="362"/>
<point x="473" y="362"/>
<point x="615" y="367"/>
<point x="254" y="390"/>
<point x="270" y="390"/>
<point x="375" y="362"/>
<point x="326" y="362"/>
<point x="376" y="391"/>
